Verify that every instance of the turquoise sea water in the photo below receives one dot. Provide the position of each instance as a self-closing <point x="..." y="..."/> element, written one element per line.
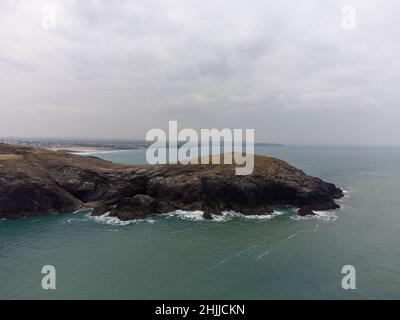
<point x="181" y="256"/>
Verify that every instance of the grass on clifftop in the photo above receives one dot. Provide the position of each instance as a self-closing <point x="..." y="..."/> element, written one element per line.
<point x="10" y="157"/>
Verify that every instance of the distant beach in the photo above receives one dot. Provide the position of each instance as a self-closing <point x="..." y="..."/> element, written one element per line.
<point x="79" y="149"/>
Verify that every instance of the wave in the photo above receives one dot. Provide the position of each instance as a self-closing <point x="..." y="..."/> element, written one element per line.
<point x="103" y="219"/>
<point x="237" y="254"/>
<point x="71" y="220"/>
<point x="114" y="221"/>
<point x="233" y="214"/>
<point x="325" y="216"/>
<point x="180" y="214"/>
<point x="184" y="215"/>
<point x="225" y="216"/>
<point x="347" y="191"/>
<point x="261" y="255"/>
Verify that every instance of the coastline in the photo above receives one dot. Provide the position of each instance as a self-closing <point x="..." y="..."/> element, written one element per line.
<point x="66" y="183"/>
<point x="79" y="149"/>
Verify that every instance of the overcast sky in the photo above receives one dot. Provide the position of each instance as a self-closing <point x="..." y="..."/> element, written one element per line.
<point x="116" y="69"/>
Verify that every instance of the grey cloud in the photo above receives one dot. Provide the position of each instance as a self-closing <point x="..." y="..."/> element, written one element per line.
<point x="119" y="68"/>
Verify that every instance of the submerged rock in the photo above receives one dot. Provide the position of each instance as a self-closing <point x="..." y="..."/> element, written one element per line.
<point x="35" y="181"/>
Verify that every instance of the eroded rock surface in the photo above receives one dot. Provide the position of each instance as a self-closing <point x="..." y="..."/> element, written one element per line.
<point x="36" y="181"/>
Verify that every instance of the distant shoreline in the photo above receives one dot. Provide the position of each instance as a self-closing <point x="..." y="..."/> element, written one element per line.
<point x="78" y="149"/>
<point x="84" y="149"/>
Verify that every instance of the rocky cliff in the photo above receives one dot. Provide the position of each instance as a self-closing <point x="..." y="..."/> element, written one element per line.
<point x="35" y="181"/>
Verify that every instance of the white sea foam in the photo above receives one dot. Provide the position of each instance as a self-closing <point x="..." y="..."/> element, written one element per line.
<point x="79" y="216"/>
<point x="186" y="215"/>
<point x="198" y="216"/>
<point x="236" y="254"/>
<point x="347" y="191"/>
<point x="180" y="214"/>
<point x="71" y="220"/>
<point x="261" y="255"/>
<point x="326" y="216"/>
<point x="106" y="219"/>
<point x="225" y="216"/>
<point x="84" y="210"/>
<point x="230" y="215"/>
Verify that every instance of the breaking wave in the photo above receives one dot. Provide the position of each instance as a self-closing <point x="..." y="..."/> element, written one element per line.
<point x="179" y="214"/>
<point x="326" y="216"/>
<point x="114" y="221"/>
<point x="184" y="215"/>
<point x="225" y="216"/>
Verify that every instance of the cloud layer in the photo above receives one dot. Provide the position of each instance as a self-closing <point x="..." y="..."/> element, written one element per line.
<point x="119" y="68"/>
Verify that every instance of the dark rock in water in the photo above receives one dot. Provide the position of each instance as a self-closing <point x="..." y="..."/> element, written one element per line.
<point x="139" y="206"/>
<point x="36" y="181"/>
<point x="207" y="215"/>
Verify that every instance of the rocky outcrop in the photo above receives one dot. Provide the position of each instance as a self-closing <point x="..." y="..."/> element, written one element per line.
<point x="36" y="181"/>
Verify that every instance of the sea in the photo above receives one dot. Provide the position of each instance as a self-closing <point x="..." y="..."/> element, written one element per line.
<point x="182" y="256"/>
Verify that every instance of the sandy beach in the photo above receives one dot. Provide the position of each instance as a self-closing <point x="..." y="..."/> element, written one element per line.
<point x="79" y="149"/>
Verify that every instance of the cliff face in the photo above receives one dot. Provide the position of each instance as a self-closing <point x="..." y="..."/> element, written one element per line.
<point x="36" y="181"/>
